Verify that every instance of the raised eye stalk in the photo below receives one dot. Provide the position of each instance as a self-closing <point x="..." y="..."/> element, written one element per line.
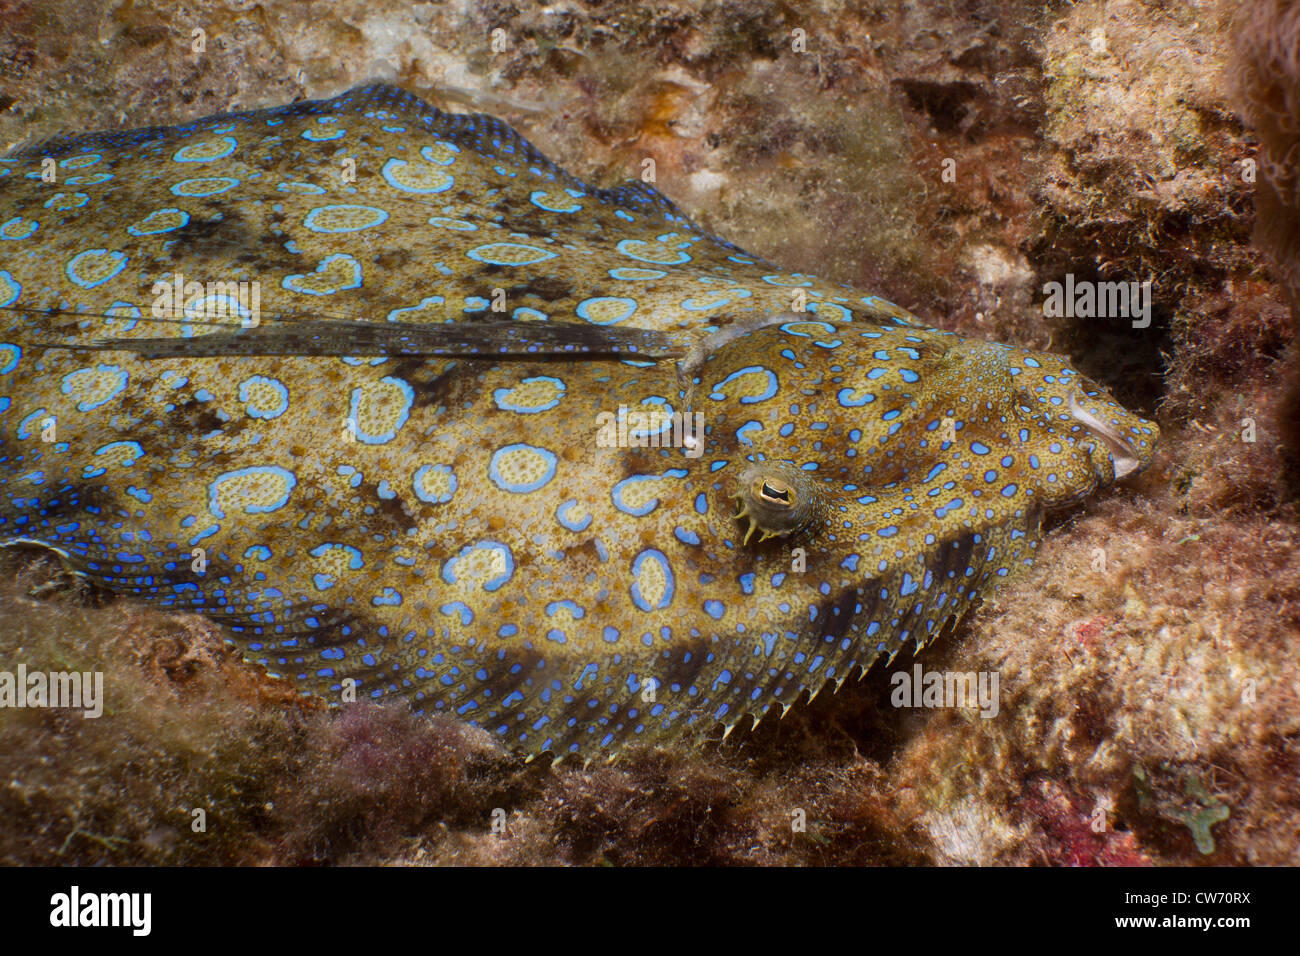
<point x="777" y="498"/>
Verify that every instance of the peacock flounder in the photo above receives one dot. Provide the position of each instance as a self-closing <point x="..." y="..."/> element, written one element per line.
<point x="366" y="470"/>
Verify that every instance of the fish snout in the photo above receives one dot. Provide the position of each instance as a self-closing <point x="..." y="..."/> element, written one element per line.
<point x="1124" y="451"/>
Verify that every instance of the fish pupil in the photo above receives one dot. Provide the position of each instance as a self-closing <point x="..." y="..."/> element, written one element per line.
<point x="778" y="495"/>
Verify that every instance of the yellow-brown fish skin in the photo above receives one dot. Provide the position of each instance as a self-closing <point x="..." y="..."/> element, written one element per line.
<point x="454" y="530"/>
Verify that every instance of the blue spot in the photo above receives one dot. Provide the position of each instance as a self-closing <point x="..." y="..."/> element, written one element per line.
<point x="849" y="398"/>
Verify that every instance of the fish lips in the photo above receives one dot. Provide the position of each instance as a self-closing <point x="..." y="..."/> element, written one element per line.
<point x="1126" y="459"/>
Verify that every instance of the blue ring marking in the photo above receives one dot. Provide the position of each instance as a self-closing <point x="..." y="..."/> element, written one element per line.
<point x="640" y="511"/>
<point x="315" y="137"/>
<point x="9" y="289"/>
<point x="742" y="433"/>
<point x="292" y="282"/>
<point x="626" y="244"/>
<point x="714" y="301"/>
<point x="290" y="482"/>
<point x="24" y="430"/>
<point x="92" y="180"/>
<point x="505" y="484"/>
<point x="180" y="155"/>
<point x="449" y="568"/>
<point x="628" y="306"/>
<point x="17" y="222"/>
<point x="427" y="153"/>
<point x="136" y="230"/>
<point x="136" y="451"/>
<point x="214" y="186"/>
<point x="80" y="162"/>
<point x="422" y="304"/>
<point x="301" y="189"/>
<point x="670" y="587"/>
<point x="355" y="561"/>
<point x="379" y="218"/>
<point x="502" y="396"/>
<point x="460" y="225"/>
<point x="631" y="274"/>
<point x="59" y="198"/>
<point x="717" y="395"/>
<point x="245" y="395"/>
<point x="788" y="329"/>
<point x="539" y="199"/>
<point x="119" y="258"/>
<point x="354" y="411"/>
<point x="9" y="356"/>
<point x="483" y="254"/>
<point x="576" y="610"/>
<point x="117" y="372"/>
<point x="844" y="315"/>
<point x="562" y="515"/>
<point x="389" y="172"/>
<point x="417" y="481"/>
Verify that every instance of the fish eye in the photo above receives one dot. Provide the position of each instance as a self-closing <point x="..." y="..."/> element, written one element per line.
<point x="775" y="492"/>
<point x="777" y="498"/>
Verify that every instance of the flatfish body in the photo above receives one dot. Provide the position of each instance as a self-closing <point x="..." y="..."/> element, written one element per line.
<point x="409" y="410"/>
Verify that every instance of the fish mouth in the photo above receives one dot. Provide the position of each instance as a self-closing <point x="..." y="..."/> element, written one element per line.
<point x="1126" y="461"/>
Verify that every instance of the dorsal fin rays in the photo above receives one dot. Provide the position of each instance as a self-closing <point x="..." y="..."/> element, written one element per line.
<point x="857" y="627"/>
